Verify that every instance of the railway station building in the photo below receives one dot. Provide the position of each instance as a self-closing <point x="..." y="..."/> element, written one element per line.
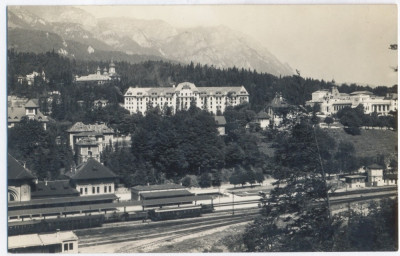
<point x="58" y="242"/>
<point x="20" y="181"/>
<point x="93" y="178"/>
<point x="138" y="191"/>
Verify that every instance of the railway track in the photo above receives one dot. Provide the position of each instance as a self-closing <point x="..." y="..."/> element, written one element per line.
<point x="163" y="230"/>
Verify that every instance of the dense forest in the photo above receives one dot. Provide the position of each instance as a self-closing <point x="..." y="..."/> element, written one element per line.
<point x="185" y="145"/>
<point x="60" y="72"/>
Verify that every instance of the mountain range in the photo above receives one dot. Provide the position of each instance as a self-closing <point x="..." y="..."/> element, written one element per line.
<point x="75" y="33"/>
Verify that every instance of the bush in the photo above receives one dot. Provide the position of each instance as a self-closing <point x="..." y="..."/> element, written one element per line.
<point x="352" y="130"/>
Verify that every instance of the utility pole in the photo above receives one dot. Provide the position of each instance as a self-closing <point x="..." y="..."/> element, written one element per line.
<point x="233" y="203"/>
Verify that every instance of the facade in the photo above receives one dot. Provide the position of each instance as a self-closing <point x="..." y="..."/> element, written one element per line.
<point x="263" y="119"/>
<point x="30" y="78"/>
<point x="375" y="175"/>
<point x="276" y="109"/>
<point x="390" y="179"/>
<point x="20" y="181"/>
<point x="355" y="181"/>
<point x="59" y="242"/>
<point x="86" y="148"/>
<point x="100" y="103"/>
<point x="331" y="101"/>
<point x="220" y="121"/>
<point x="89" y="140"/>
<point x="212" y="99"/>
<point x="18" y="109"/>
<point x="93" y="178"/>
<point x="100" y="77"/>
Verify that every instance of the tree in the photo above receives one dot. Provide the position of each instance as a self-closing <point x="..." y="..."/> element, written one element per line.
<point x="346" y="157"/>
<point x="328" y="120"/>
<point x="216" y="178"/>
<point x="205" y="180"/>
<point x="299" y="202"/>
<point x="259" y="176"/>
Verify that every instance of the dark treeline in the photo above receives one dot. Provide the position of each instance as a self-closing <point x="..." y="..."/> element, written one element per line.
<point x="187" y="143"/>
<point x="261" y="86"/>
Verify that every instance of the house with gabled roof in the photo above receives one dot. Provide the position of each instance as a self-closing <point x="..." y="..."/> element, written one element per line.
<point x="93" y="178"/>
<point x="20" y="181"/>
<point x="263" y="119"/>
<point x="89" y="140"/>
<point x="29" y="109"/>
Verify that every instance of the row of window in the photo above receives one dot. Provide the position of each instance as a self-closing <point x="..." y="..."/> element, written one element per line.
<point x="96" y="189"/>
<point x="68" y="247"/>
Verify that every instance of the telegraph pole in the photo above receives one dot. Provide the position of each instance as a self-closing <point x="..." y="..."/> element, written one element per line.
<point x="233" y="203"/>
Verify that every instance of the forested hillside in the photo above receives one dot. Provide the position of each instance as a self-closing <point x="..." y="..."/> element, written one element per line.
<point x="261" y="86"/>
<point x="163" y="146"/>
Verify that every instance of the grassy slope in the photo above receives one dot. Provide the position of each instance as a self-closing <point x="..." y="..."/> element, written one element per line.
<point x="370" y="142"/>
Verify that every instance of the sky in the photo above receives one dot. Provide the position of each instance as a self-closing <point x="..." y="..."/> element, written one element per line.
<point x="347" y="43"/>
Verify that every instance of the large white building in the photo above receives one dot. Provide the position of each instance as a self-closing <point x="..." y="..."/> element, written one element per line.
<point x="331" y="101"/>
<point x="99" y="77"/>
<point x="181" y="97"/>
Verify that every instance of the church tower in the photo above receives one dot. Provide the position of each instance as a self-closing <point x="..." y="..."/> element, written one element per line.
<point x="111" y="70"/>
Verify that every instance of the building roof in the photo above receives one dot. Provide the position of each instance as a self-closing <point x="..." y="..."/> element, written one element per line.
<point x="92" y="169"/>
<point x="278" y="102"/>
<point x="158" y="187"/>
<point x="31" y="240"/>
<point x="15" y="171"/>
<point x="54" y="188"/>
<point x="15" y="113"/>
<point x="375" y="166"/>
<point x="390" y="176"/>
<point x="32" y="103"/>
<point x="175" y="200"/>
<point x="165" y="194"/>
<point x="361" y="92"/>
<point x="105" y="206"/>
<point x="93" y="77"/>
<point x="262" y="115"/>
<point x="165" y="91"/>
<point x="62" y="200"/>
<point x="220" y="120"/>
<point x="81" y="127"/>
<point x="355" y="177"/>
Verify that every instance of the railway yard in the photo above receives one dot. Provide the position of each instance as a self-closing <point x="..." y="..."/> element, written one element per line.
<point x="136" y="236"/>
<point x="194" y="234"/>
<point x="170" y="224"/>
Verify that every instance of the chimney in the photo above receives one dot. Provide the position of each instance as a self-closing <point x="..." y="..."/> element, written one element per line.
<point x="173" y="86"/>
<point x="57" y="232"/>
<point x="148" y="184"/>
<point x="45" y="182"/>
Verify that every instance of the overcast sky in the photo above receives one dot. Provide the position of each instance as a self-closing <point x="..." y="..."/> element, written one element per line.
<point x="348" y="43"/>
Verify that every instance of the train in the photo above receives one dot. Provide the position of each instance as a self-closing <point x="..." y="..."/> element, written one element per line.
<point x="52" y="225"/>
<point x="97" y="220"/>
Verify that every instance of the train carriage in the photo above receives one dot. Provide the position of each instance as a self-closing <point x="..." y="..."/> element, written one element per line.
<point x="175" y="213"/>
